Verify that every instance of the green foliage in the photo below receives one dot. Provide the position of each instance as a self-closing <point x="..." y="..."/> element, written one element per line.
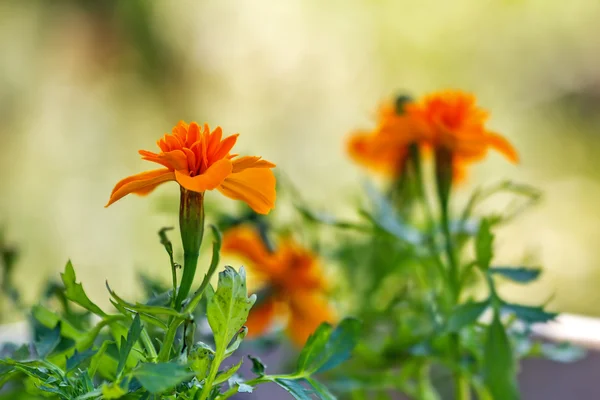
<point x="499" y="365"/>
<point x="328" y="347"/>
<point x="228" y="306"/>
<point x="412" y="283"/>
<point x="135" y="353"/>
<point x="483" y="244"/>
<point x="517" y="274"/>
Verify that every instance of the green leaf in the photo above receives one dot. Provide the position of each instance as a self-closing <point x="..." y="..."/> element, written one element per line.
<point x="48" y="341"/>
<point x="157" y="378"/>
<point x="228" y="307"/>
<point x="74" y="291"/>
<point x="142" y="308"/>
<point x="50" y="319"/>
<point x="483" y="244"/>
<point x="79" y="358"/>
<point x="529" y="314"/>
<point x="224" y="376"/>
<point x="320" y="390"/>
<point x="258" y="367"/>
<point x="95" y="361"/>
<point x="127" y="344"/>
<point x="295" y="388"/>
<point x="328" y="347"/>
<point x="466" y="314"/>
<point x="499" y="364"/>
<point x="517" y="274"/>
<point x="236" y="343"/>
<point x="200" y="358"/>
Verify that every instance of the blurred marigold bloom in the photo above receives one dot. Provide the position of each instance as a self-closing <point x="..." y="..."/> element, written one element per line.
<point x="453" y="122"/>
<point x="291" y="284"/>
<point x="448" y="120"/>
<point x="200" y="160"/>
<point x="385" y="149"/>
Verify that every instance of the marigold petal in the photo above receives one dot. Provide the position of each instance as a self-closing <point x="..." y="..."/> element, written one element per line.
<point x="208" y="180"/>
<point x="176" y="158"/>
<point x="245" y="162"/>
<point x="153" y="157"/>
<point x="193" y="134"/>
<point x="225" y="147"/>
<point x="255" y="186"/>
<point x="214" y="141"/>
<point x="142" y="183"/>
<point x="503" y="146"/>
<point x="308" y="309"/>
<point x="261" y="317"/>
<point x="172" y="142"/>
<point x="246" y="243"/>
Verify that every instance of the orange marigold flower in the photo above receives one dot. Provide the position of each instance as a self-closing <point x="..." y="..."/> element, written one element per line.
<point x="200" y="160"/>
<point x="290" y="279"/>
<point x="452" y="121"/>
<point x="385" y="149"/>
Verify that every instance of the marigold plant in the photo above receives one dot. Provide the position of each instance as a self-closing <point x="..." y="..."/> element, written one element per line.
<point x="291" y="284"/>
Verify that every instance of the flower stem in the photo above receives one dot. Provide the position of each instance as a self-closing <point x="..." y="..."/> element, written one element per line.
<point x="443" y="174"/>
<point x="191" y="225"/>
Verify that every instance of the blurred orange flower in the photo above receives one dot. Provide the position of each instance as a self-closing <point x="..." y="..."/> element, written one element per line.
<point x="452" y="121"/>
<point x="385" y="148"/>
<point x="448" y="120"/>
<point x="199" y="160"/>
<point x="291" y="284"/>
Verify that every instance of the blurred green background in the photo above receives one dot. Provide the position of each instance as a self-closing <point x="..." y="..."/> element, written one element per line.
<point x="85" y="84"/>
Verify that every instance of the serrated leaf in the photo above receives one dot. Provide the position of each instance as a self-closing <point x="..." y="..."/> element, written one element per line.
<point x="529" y="314"/>
<point x="46" y="343"/>
<point x="499" y="364"/>
<point x="74" y="291"/>
<point x="32" y="369"/>
<point x="127" y="344"/>
<point x="79" y="358"/>
<point x="258" y="367"/>
<point x="228" y="307"/>
<point x="157" y="378"/>
<point x="295" y="388"/>
<point x="517" y="274"/>
<point x="328" y="347"/>
<point x="49" y="319"/>
<point x="200" y="358"/>
<point x="224" y="376"/>
<point x="466" y="314"/>
<point x="142" y="308"/>
<point x="483" y="244"/>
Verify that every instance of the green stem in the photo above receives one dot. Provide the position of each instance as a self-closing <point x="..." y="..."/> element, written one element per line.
<point x="214" y="369"/>
<point x="443" y="173"/>
<point x="145" y="338"/>
<point x="415" y="157"/>
<point x="191" y="225"/>
<point x="165" y="350"/>
<point x="462" y="390"/>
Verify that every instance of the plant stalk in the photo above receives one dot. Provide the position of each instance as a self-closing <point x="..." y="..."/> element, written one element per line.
<point x="191" y="226"/>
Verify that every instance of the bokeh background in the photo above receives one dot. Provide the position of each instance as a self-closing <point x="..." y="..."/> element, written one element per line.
<point x="84" y="84"/>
